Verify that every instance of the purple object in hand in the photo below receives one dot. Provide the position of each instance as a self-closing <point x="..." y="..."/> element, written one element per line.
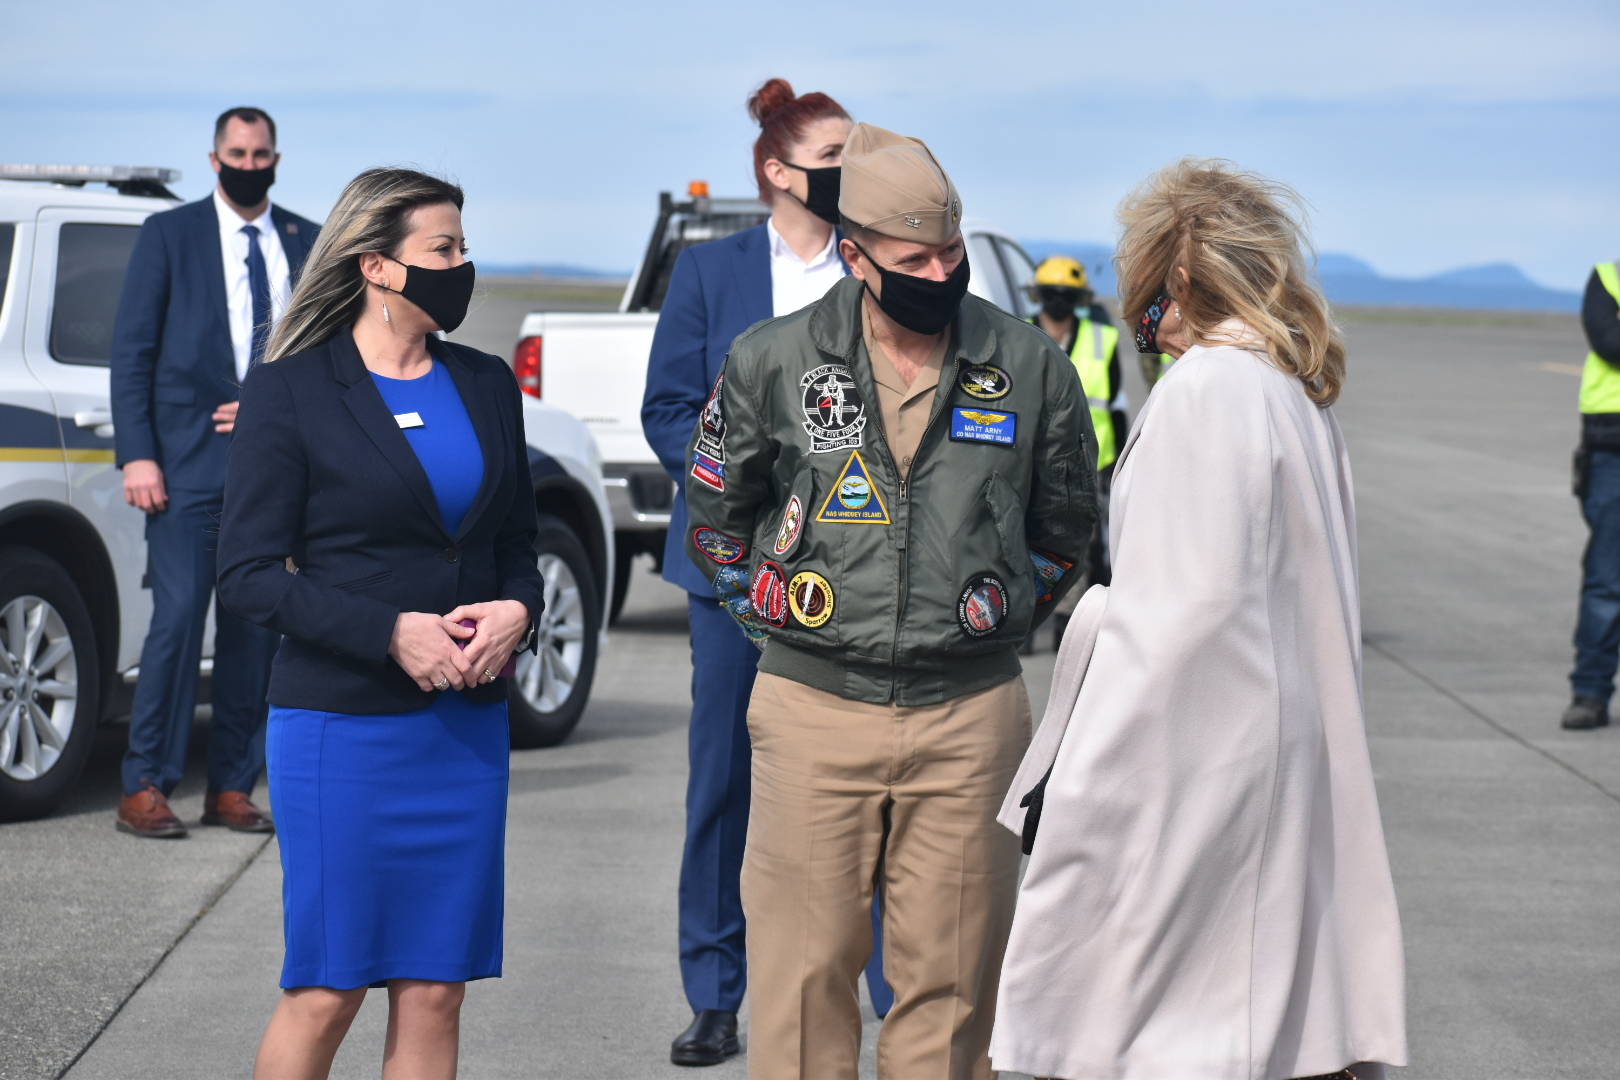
<point x="511" y="665"/>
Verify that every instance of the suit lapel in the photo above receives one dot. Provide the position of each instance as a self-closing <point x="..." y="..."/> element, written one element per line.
<point x="752" y="268"/>
<point x="488" y="421"/>
<point x="365" y="402"/>
<point x="293" y="240"/>
<point x="211" y="262"/>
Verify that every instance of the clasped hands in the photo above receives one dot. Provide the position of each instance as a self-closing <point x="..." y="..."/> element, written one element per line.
<point x="426" y="646"/>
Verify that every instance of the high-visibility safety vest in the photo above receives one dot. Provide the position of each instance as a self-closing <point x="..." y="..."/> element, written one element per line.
<point x="1093" y="344"/>
<point x="1600" y="382"/>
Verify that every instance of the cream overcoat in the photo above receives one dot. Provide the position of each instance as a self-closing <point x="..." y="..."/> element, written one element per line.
<point x="1209" y="897"/>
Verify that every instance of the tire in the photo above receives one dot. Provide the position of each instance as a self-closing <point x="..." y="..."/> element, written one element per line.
<point x="553" y="683"/>
<point x="624" y="561"/>
<point x="50" y="684"/>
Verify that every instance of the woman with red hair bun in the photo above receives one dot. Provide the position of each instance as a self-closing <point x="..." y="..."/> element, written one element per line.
<point x="718" y="290"/>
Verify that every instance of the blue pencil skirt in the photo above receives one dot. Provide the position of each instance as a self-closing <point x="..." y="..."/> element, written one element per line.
<point x="392" y="831"/>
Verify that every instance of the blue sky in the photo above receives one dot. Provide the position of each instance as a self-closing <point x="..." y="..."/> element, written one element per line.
<point x="1425" y="136"/>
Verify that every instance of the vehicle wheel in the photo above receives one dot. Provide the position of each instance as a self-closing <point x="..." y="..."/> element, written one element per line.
<point x="553" y="683"/>
<point x="49" y="684"/>
<point x="624" y="562"/>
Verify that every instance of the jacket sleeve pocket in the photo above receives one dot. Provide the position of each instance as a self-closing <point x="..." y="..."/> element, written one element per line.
<point x="1008" y="513"/>
<point x="781" y="533"/>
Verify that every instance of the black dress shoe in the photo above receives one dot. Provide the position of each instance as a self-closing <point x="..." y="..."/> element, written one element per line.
<point x="710" y="1040"/>
<point x="1584" y="714"/>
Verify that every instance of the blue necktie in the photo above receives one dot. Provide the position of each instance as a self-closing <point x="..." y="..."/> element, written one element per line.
<point x="259" y="286"/>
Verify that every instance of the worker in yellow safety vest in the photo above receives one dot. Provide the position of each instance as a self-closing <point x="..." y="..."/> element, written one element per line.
<point x="1597" y="485"/>
<point x="1154" y="366"/>
<point x="1083" y="329"/>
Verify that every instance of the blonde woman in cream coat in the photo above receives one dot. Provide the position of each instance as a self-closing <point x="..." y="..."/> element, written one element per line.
<point x="1208" y="895"/>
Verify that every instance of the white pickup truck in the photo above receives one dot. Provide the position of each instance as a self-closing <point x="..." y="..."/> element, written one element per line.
<point x="595" y="365"/>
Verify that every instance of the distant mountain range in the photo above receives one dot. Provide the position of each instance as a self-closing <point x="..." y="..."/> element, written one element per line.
<point x="1345" y="278"/>
<point x="552" y="270"/>
<point x="1349" y="280"/>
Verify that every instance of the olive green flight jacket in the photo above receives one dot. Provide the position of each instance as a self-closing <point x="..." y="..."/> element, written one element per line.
<point x="859" y="582"/>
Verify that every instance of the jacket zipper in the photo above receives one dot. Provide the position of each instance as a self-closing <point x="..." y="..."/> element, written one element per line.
<point x="903" y="588"/>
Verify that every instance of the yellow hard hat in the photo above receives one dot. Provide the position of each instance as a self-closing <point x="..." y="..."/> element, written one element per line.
<point x="1062" y="271"/>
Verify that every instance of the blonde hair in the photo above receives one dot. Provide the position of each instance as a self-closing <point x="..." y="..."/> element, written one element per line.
<point x="1241" y="240"/>
<point x="372" y="214"/>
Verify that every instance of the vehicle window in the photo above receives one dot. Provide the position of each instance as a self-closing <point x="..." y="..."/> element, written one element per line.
<point x="682" y="234"/>
<point x="8" y="234"/>
<point x="90" y="263"/>
<point x="1020" y="272"/>
<point x="985" y="269"/>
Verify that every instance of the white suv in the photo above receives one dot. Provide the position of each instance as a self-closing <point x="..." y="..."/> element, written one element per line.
<point x="73" y="607"/>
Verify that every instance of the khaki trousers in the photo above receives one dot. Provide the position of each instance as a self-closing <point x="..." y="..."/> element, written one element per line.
<point x="844" y="791"/>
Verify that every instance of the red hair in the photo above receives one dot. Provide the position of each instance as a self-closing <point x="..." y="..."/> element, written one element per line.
<point x="782" y="118"/>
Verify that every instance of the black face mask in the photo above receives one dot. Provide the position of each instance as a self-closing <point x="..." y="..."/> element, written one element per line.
<point x="1059" y="303"/>
<point x="920" y="304"/>
<point x="443" y="295"/>
<point x="822" y="197"/>
<point x="1147" y="328"/>
<point x="246" y="187"/>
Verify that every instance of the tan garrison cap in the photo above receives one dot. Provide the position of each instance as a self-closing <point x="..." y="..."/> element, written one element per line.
<point x="891" y="184"/>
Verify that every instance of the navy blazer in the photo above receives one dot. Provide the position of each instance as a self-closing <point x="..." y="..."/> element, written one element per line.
<point x="321" y="473"/>
<point x="716" y="291"/>
<point x="172" y="360"/>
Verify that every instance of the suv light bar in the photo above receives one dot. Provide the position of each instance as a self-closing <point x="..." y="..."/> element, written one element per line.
<point x="126" y="179"/>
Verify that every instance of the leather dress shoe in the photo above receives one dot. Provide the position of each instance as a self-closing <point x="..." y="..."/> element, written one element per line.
<point x="710" y="1040"/>
<point x="235" y="811"/>
<point x="1584" y="714"/>
<point x="146" y="813"/>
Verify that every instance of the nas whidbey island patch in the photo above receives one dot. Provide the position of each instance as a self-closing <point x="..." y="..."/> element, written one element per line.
<point x="854" y="499"/>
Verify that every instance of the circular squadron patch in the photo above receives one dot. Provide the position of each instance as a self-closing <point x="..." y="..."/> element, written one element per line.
<point x="768" y="594"/>
<point x="982" y="607"/>
<point x="834" y="413"/>
<point x="810" y="596"/>
<point x="986" y="382"/>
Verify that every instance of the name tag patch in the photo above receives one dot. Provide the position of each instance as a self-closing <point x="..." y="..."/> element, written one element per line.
<point x="983" y="425"/>
<point x="409" y="419"/>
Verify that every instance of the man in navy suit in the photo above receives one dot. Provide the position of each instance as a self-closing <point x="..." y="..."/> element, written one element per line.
<point x="204" y="284"/>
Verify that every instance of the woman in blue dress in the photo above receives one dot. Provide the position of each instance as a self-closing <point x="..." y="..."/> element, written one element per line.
<point x="378" y="514"/>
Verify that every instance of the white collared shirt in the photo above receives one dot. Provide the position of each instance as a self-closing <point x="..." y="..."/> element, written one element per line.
<point x="796" y="283"/>
<point x="238" y="295"/>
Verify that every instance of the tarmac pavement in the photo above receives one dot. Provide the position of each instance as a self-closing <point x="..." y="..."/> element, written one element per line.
<point x="131" y="959"/>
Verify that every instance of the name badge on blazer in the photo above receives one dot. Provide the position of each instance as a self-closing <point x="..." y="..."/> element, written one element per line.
<point x="409" y="419"/>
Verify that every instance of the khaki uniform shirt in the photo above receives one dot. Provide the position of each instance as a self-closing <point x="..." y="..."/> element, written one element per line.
<point x="904" y="409"/>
